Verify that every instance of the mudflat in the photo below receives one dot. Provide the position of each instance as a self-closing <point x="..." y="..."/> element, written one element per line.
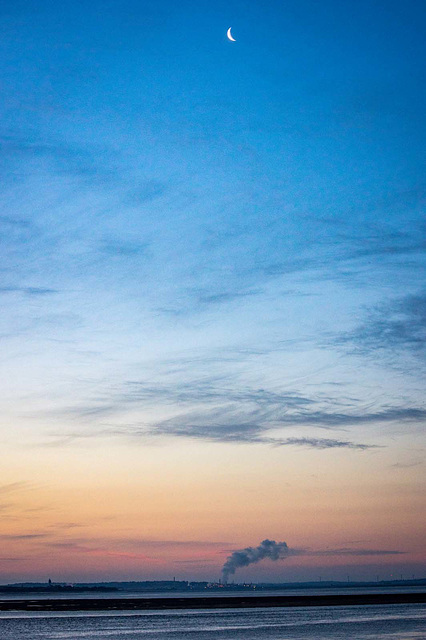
<point x="220" y="602"/>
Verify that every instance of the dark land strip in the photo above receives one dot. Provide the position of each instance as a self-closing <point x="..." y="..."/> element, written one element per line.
<point x="220" y="602"/>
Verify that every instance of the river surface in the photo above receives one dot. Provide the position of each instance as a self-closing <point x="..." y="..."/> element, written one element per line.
<point x="381" y="622"/>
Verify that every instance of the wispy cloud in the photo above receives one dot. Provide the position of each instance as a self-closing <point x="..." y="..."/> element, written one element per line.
<point x="325" y="443"/>
<point x="14" y="487"/>
<point x="407" y="465"/>
<point x="23" y="536"/>
<point x="222" y="426"/>
<point x="65" y="158"/>
<point x="210" y="409"/>
<point x="132" y="547"/>
<point x="10" y="559"/>
<point x="392" y="327"/>
<point x="11" y="221"/>
<point x="29" y="291"/>
<point x="348" y="551"/>
<point x="124" y="249"/>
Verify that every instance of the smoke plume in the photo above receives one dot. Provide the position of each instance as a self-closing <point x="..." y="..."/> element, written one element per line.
<point x="243" y="557"/>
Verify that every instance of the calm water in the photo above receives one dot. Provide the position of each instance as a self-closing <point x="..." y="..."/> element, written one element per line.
<point x="399" y="622"/>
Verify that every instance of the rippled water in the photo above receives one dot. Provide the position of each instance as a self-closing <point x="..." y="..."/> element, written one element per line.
<point x="399" y="622"/>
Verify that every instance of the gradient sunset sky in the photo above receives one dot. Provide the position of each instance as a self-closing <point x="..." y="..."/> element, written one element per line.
<point x="212" y="288"/>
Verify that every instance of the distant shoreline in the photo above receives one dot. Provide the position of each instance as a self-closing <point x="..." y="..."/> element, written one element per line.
<point x="229" y="602"/>
<point x="12" y="590"/>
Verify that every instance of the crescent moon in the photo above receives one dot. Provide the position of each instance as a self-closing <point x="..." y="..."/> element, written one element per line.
<point x="228" y="33"/>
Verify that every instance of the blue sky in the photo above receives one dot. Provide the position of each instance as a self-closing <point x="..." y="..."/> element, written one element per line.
<point x="214" y="241"/>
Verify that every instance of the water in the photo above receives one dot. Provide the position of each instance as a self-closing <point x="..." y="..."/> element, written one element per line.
<point x="97" y="595"/>
<point x="384" y="622"/>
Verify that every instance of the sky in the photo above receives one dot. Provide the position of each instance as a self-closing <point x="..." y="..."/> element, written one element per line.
<point x="212" y="283"/>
